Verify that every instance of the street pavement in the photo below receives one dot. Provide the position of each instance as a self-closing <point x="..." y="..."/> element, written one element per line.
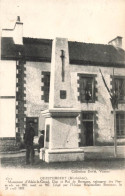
<point x="101" y="157"/>
<point x="91" y="152"/>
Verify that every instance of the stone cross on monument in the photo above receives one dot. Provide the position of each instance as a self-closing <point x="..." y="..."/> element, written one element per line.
<point x="63" y="70"/>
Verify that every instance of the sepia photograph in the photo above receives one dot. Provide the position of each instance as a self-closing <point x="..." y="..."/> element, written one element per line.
<point x="62" y="97"/>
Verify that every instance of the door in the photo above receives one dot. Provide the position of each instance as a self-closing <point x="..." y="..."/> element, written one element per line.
<point x="87" y="133"/>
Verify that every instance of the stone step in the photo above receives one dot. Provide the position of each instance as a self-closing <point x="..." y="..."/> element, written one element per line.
<point x="102" y="152"/>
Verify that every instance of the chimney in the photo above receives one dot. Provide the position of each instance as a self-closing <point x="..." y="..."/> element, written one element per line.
<point x="16" y="32"/>
<point x="117" y="42"/>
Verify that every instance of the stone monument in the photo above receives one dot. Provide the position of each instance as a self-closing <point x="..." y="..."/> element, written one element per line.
<point x="61" y="131"/>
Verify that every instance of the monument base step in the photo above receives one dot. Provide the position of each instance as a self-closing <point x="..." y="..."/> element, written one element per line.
<point x="64" y="155"/>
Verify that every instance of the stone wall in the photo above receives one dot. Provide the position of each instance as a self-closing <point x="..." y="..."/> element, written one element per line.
<point x="9" y="144"/>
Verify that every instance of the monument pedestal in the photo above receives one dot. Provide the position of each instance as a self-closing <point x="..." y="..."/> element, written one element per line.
<point x="61" y="135"/>
<point x="63" y="155"/>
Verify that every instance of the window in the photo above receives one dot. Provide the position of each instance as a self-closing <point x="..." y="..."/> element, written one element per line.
<point x="46" y="86"/>
<point x="119" y="87"/>
<point x="120" y="124"/>
<point x="87" y="88"/>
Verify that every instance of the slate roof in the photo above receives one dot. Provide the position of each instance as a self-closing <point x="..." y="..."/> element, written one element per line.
<point x="39" y="49"/>
<point x="95" y="53"/>
<point x="8" y="49"/>
<point x="32" y="49"/>
<point x="79" y="52"/>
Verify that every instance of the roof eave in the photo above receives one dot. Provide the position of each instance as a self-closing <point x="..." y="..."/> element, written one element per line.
<point x="95" y="63"/>
<point x="26" y="58"/>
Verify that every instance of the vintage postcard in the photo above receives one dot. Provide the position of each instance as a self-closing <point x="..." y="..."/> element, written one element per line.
<point x="62" y="97"/>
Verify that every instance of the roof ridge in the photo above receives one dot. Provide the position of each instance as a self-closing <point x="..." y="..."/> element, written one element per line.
<point x="34" y="38"/>
<point x="89" y="43"/>
<point x="38" y="41"/>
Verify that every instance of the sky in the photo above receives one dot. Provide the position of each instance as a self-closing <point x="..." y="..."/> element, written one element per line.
<point x="91" y="21"/>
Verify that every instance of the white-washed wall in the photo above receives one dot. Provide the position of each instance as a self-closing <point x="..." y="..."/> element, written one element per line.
<point x="7" y="98"/>
<point x="7" y="78"/>
<point x="34" y="103"/>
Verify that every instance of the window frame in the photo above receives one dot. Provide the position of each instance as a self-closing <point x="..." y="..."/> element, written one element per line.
<point x="119" y="78"/>
<point x="118" y="120"/>
<point x="85" y="76"/>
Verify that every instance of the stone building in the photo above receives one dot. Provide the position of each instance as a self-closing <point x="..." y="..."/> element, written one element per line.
<point x="57" y="85"/>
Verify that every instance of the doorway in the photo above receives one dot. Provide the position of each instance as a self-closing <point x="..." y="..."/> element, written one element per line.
<point x="87" y="129"/>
